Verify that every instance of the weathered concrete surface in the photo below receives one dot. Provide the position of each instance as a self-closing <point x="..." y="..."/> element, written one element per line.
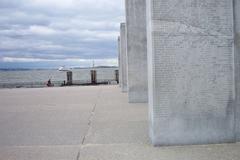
<point x="119" y="132"/>
<point x="146" y="152"/>
<point x="191" y="70"/>
<point x="119" y="62"/>
<point x="39" y="152"/>
<point x="116" y="129"/>
<point x="237" y="64"/>
<point x="123" y="50"/>
<point x="136" y="50"/>
<point x="118" y="123"/>
<point x="44" y="123"/>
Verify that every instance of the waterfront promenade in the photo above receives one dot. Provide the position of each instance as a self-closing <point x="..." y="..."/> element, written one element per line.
<point x="86" y="123"/>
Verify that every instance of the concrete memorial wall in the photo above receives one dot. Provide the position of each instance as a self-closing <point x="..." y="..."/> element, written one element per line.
<point x="119" y="62"/>
<point x="136" y="50"/>
<point x="191" y="71"/>
<point x="237" y="64"/>
<point x="123" y="56"/>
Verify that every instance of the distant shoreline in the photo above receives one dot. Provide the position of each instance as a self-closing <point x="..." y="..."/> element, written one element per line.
<point x="32" y="69"/>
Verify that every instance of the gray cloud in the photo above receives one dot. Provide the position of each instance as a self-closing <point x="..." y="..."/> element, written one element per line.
<point x="59" y="29"/>
<point x="6" y="4"/>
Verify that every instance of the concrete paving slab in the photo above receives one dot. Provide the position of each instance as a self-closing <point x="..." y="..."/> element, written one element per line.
<point x="30" y="117"/>
<point x="28" y="133"/>
<point x="116" y="121"/>
<point x="147" y="152"/>
<point x="40" y="153"/>
<point x="106" y="112"/>
<point x="118" y="132"/>
<point x="46" y="123"/>
<point x="109" y="100"/>
<point x="62" y="96"/>
<point x="121" y="115"/>
<point x="109" y="126"/>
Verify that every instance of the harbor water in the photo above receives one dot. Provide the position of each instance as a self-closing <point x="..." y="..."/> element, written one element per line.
<point x="39" y="78"/>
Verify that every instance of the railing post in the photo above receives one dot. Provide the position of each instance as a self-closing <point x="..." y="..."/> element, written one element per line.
<point x="69" y="77"/>
<point x="117" y="76"/>
<point x="93" y="76"/>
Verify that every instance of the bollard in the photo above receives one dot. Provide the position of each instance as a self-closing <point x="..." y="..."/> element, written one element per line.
<point x="69" y="78"/>
<point x="117" y="76"/>
<point x="93" y="76"/>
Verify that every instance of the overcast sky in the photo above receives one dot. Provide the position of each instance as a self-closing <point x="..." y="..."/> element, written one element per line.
<point x="52" y="33"/>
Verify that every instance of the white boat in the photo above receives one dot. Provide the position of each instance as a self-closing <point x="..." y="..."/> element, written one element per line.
<point x="63" y="68"/>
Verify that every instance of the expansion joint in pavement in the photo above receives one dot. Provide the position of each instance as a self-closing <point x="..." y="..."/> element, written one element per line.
<point x="90" y="119"/>
<point x="78" y="156"/>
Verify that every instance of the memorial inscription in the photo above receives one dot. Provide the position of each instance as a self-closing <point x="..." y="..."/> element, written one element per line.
<point x="192" y="78"/>
<point x="237" y="64"/>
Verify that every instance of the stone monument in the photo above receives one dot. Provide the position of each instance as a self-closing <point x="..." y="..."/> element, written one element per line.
<point x="136" y="50"/>
<point x="123" y="56"/>
<point x="119" y="63"/>
<point x="191" y="71"/>
<point x="237" y="64"/>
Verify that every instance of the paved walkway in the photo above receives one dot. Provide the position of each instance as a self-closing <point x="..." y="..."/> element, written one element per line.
<point x="86" y="123"/>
